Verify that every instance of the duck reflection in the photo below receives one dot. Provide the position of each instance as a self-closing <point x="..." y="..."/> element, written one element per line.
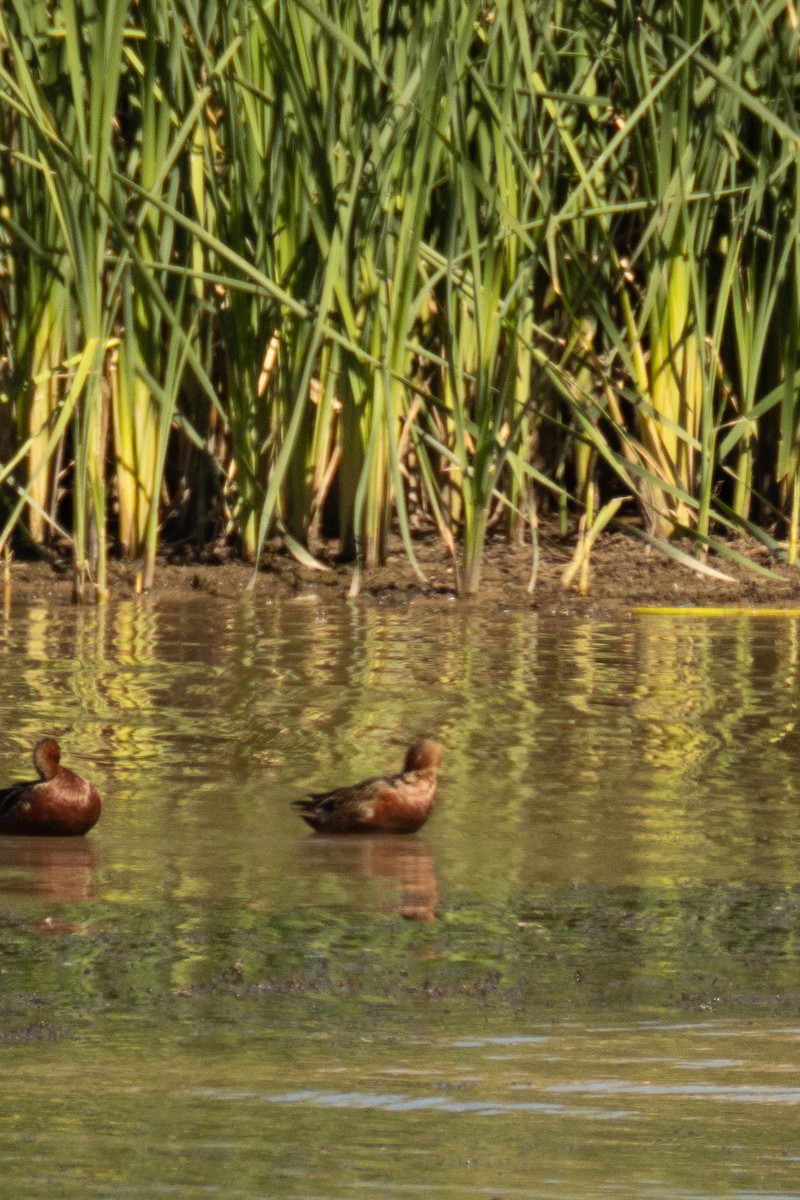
<point x="61" y="869"/>
<point x="389" y="857"/>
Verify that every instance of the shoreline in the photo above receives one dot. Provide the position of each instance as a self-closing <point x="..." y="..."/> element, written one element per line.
<point x="624" y="575"/>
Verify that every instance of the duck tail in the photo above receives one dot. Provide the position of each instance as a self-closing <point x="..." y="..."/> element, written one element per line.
<point x="307" y="809"/>
<point x="10" y="796"/>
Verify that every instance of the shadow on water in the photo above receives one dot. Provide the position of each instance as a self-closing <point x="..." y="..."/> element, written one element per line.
<point x="606" y="1000"/>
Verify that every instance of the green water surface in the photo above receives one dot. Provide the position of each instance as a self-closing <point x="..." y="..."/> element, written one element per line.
<point x="581" y="978"/>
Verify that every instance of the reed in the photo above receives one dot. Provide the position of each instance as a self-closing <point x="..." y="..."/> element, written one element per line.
<point x="455" y="264"/>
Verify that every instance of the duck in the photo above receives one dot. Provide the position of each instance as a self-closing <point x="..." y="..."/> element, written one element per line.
<point x="386" y="804"/>
<point x="57" y="804"/>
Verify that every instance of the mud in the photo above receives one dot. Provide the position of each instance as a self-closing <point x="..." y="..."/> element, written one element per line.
<point x="624" y="574"/>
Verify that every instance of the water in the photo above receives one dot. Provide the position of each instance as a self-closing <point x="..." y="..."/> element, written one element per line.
<point x="581" y="978"/>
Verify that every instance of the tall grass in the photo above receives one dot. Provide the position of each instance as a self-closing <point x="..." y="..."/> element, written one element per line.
<point x="273" y="267"/>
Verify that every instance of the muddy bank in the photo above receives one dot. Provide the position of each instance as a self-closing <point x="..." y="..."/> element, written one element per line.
<point x="624" y="574"/>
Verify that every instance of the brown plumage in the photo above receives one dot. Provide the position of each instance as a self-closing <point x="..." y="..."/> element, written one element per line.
<point x="58" y="804"/>
<point x="386" y="804"/>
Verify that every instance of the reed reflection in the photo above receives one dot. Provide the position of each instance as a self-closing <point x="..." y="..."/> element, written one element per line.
<point x="386" y="858"/>
<point x="655" y="749"/>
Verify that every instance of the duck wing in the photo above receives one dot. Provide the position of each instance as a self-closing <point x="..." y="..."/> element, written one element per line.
<point x="345" y="809"/>
<point x="10" y="796"/>
<point x="345" y="797"/>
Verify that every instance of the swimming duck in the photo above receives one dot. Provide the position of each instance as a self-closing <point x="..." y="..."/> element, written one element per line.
<point x="386" y="804"/>
<point x="58" y="804"/>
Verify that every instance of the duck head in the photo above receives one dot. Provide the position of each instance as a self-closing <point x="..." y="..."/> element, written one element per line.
<point x="423" y="756"/>
<point x="46" y="758"/>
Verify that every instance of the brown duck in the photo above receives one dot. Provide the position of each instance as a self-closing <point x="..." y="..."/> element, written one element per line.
<point x="58" y="804"/>
<point x="386" y="804"/>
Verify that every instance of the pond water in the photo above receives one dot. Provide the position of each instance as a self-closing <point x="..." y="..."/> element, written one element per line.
<point x="581" y="978"/>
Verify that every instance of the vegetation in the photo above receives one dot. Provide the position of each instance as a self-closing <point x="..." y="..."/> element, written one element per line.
<point x="273" y="263"/>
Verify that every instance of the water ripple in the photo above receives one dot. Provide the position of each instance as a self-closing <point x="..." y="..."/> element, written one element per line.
<point x="742" y="1093"/>
<point x="397" y="1102"/>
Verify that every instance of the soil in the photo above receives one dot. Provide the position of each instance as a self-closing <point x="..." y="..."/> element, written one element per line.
<point x="624" y="574"/>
